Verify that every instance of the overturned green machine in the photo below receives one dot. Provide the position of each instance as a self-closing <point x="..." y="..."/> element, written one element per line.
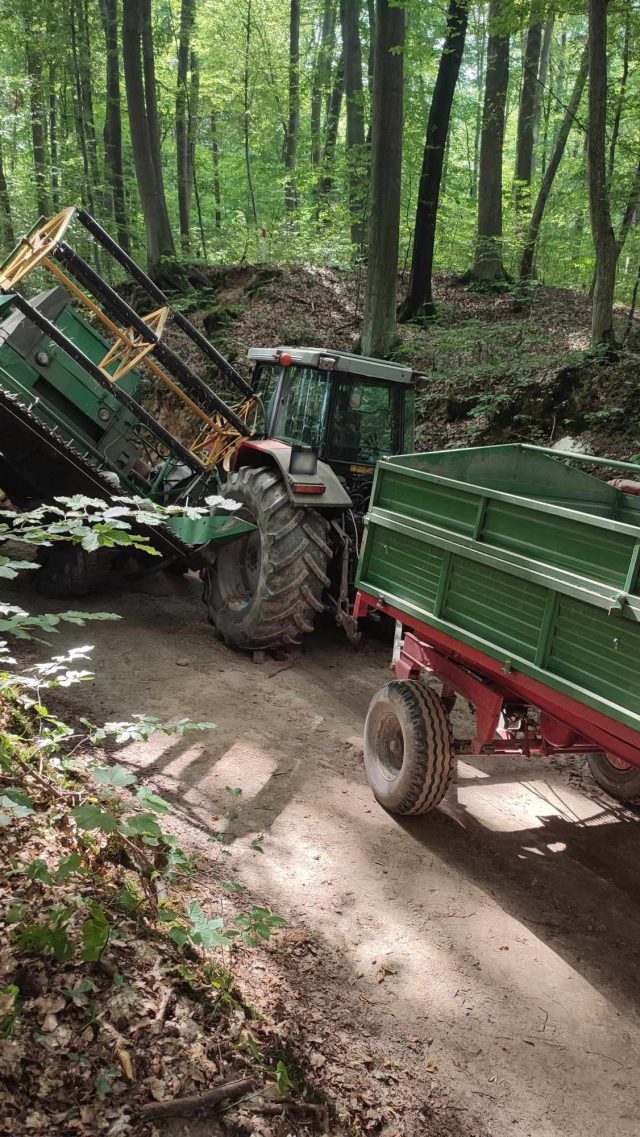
<point x="295" y="451"/>
<point x="72" y="413"/>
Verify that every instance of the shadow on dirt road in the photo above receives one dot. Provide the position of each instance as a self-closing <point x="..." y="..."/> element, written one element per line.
<point x="504" y="929"/>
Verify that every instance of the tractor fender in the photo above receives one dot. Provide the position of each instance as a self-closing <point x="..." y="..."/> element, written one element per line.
<point x="271" y="452"/>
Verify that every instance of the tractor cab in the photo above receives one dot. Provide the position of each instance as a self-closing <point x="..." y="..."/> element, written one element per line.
<point x="348" y="409"/>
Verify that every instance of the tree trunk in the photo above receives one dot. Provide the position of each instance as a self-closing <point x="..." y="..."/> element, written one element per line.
<point x="371" y="58"/>
<point x="144" y="137"/>
<point x="247" y="114"/>
<point x="543" y="75"/>
<point x="113" y="122"/>
<point x="38" y="121"/>
<point x="622" y="90"/>
<point x="192" y="143"/>
<point x="53" y="139"/>
<point x="356" y="155"/>
<point x="293" y="121"/>
<point x="526" y="117"/>
<point x="632" y="208"/>
<point x="419" y="299"/>
<point x="185" y="180"/>
<point x="386" y="168"/>
<point x="488" y="264"/>
<point x="603" y="236"/>
<point x="81" y="127"/>
<point x="325" y="182"/>
<point x="86" y="97"/>
<point x="8" y="235"/>
<point x="150" y="91"/>
<point x="215" y="154"/>
<point x="321" y="76"/>
<point x="479" y="81"/>
<point x="529" y="252"/>
<point x="632" y="308"/>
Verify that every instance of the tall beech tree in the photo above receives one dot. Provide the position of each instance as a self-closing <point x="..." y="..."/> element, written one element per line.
<point x="183" y="120"/>
<point x="8" y="234"/>
<point x="601" y="225"/>
<point x="113" y="163"/>
<point x="571" y="110"/>
<point x="34" y="48"/>
<point x="293" y="120"/>
<point x="321" y="78"/>
<point x="527" y="110"/>
<point x="355" y="134"/>
<point x="419" y="300"/>
<point x="379" y="321"/>
<point x="145" y="137"/>
<point x="488" y="265"/>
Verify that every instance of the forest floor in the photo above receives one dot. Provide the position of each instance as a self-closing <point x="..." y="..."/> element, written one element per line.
<point x="501" y="366"/>
<point x="473" y="973"/>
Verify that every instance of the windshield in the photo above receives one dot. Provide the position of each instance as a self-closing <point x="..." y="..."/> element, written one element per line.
<point x="303" y="406"/>
<point x="365" y="421"/>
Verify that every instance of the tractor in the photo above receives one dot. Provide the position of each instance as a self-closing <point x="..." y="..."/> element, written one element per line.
<point x="295" y="457"/>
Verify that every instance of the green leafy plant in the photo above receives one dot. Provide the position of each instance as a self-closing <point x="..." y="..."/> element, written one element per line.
<point x="108" y="809"/>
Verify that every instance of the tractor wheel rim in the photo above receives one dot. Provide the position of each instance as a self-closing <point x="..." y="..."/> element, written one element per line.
<point x="238" y="569"/>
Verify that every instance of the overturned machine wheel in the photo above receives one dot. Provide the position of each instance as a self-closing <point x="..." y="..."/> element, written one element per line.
<point x="408" y="747"/>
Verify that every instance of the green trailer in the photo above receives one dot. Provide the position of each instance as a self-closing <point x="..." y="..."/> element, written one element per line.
<point x="514" y="578"/>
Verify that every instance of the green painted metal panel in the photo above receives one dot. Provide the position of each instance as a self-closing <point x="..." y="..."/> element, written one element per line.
<point x="201" y="530"/>
<point x="539" y="568"/>
<point x="417" y="569"/>
<point x="559" y="541"/>
<point x="597" y="651"/>
<point x="495" y="605"/>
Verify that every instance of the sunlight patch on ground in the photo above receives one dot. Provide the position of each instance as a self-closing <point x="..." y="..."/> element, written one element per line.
<point x="244" y="765"/>
<point x="470" y="772"/>
<point x="509" y="807"/>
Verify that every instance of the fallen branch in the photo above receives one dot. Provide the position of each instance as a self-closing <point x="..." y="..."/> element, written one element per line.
<point x="189" y="1105"/>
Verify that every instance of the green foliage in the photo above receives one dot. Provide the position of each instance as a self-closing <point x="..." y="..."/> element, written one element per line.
<point x="318" y="230"/>
<point x="109" y="812"/>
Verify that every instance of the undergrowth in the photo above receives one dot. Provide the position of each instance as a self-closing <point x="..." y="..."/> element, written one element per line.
<point x="93" y="885"/>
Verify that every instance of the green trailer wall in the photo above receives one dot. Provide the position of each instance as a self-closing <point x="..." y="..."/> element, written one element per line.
<point x="520" y="554"/>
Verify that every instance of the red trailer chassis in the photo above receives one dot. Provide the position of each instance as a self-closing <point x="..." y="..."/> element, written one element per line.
<point x="504" y="699"/>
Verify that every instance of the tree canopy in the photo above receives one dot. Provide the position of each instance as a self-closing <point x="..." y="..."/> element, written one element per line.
<point x="214" y="131"/>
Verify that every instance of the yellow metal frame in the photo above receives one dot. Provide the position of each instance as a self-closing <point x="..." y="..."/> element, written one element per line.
<point x="216" y="440"/>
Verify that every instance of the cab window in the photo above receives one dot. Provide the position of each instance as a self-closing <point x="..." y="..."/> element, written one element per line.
<point x="267" y="388"/>
<point x="365" y="422"/>
<point x="302" y="408"/>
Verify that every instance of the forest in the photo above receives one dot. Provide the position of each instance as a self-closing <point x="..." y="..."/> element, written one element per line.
<point x="495" y="142"/>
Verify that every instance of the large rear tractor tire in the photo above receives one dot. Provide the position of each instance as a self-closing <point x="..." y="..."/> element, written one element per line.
<point x="614" y="776"/>
<point x="264" y="590"/>
<point x="408" y="747"/>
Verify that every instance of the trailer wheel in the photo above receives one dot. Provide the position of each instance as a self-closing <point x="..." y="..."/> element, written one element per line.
<point x="265" y="590"/>
<point x="408" y="747"/>
<point x="615" y="776"/>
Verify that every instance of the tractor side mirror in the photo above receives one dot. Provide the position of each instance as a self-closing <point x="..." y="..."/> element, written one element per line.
<point x="421" y="382"/>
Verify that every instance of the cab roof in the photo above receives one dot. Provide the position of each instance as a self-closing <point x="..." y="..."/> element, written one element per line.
<point x="327" y="359"/>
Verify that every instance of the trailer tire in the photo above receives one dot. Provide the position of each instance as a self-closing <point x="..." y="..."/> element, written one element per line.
<point x="408" y="747"/>
<point x="265" y="590"/>
<point x="622" y="783"/>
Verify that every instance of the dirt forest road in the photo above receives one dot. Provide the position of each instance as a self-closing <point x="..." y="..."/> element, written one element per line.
<point x="490" y="950"/>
